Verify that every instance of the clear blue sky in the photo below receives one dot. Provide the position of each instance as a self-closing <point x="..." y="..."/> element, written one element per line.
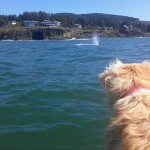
<point x="133" y="8"/>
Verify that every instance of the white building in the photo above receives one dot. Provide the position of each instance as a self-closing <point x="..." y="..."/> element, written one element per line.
<point x="13" y="22"/>
<point x="50" y="23"/>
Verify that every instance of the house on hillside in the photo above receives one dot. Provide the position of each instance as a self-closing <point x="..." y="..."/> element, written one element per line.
<point x="50" y="23"/>
<point x="30" y="23"/>
<point x="13" y="22"/>
<point x="57" y="23"/>
<point x="79" y="26"/>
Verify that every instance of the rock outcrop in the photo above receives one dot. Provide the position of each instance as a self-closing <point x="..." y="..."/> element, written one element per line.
<point x="30" y="33"/>
<point x="43" y="33"/>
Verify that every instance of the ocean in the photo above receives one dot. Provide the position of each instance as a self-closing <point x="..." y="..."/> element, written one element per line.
<point x="50" y="94"/>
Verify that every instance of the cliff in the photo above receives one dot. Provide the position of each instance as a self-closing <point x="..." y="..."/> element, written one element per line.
<point x="30" y="33"/>
<point x="42" y="33"/>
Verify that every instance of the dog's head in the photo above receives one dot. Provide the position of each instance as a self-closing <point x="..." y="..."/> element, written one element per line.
<point x="119" y="79"/>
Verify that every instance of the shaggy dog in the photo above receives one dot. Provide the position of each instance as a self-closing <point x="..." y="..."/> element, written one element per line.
<point x="128" y="88"/>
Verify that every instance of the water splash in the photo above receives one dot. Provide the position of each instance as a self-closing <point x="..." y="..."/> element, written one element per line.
<point x="95" y="39"/>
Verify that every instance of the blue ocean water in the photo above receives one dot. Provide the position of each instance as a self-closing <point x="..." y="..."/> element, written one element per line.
<point x="50" y="94"/>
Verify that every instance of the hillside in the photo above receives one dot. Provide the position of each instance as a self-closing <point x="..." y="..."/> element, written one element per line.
<point x="72" y="25"/>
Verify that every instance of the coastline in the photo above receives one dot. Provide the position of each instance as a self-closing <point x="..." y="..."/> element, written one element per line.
<point x="46" y="33"/>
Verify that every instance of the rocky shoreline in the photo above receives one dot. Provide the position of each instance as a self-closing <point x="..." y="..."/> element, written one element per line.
<point x="43" y="33"/>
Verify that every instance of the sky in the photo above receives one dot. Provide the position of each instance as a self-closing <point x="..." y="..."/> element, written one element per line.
<point x="132" y="8"/>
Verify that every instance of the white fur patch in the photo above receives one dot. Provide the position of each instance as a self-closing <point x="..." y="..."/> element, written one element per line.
<point x="115" y="64"/>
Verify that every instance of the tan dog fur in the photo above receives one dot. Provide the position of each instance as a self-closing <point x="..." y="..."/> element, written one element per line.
<point x="130" y="124"/>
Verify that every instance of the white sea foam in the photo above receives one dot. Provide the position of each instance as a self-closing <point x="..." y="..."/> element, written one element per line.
<point x="85" y="44"/>
<point x="9" y="40"/>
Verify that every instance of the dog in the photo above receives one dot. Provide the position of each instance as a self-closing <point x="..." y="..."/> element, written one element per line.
<point x="128" y="96"/>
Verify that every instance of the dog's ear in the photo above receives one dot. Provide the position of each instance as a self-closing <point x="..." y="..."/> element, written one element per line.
<point x="120" y="78"/>
<point x="111" y="71"/>
<point x="109" y="78"/>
